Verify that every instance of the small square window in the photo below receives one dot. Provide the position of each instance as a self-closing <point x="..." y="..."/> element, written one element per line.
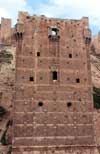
<point x="70" y="55"/>
<point x="38" y="54"/>
<point x="40" y="104"/>
<point x="31" y="78"/>
<point x="77" y="80"/>
<point x="69" y="104"/>
<point x="54" y="31"/>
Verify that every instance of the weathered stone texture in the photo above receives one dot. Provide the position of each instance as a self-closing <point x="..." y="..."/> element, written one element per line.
<point x="53" y="103"/>
<point x="38" y="55"/>
<point x="77" y="150"/>
<point x="5" y="31"/>
<point x="97" y="127"/>
<point x="96" y="44"/>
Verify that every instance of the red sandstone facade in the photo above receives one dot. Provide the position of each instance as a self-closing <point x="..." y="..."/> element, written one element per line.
<point x="5" y="31"/>
<point x="53" y="106"/>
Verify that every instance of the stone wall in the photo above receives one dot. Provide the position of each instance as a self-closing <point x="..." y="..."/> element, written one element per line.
<point x="69" y="150"/>
<point x="5" y="31"/>
<point x="53" y="103"/>
<point x="42" y="116"/>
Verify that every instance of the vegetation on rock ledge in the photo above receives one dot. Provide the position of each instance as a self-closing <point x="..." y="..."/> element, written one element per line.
<point x="96" y="97"/>
<point x="5" y="56"/>
<point x="2" y="111"/>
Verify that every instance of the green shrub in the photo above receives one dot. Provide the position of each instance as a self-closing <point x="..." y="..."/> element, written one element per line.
<point x="3" y="138"/>
<point x="96" y="97"/>
<point x="5" y="56"/>
<point x="2" y="111"/>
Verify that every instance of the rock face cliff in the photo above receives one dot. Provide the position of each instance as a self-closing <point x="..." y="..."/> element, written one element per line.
<point x="95" y="67"/>
<point x="95" y="60"/>
<point x="7" y="76"/>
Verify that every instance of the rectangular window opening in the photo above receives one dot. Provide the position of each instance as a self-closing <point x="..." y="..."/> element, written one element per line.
<point x="54" y="75"/>
<point x="70" y="55"/>
<point x="31" y="78"/>
<point x="54" y="31"/>
<point x="38" y="54"/>
<point x="77" y="80"/>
